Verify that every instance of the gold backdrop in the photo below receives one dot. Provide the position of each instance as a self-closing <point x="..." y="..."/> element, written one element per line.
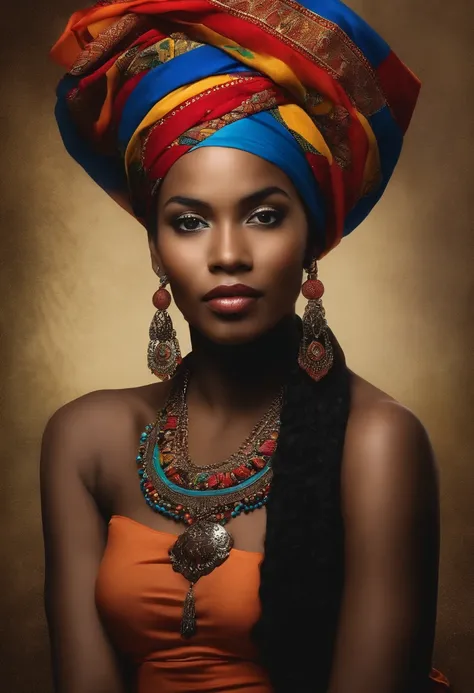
<point x="76" y="287"/>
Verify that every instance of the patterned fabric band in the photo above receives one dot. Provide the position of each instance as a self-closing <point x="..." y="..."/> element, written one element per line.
<point x="308" y="86"/>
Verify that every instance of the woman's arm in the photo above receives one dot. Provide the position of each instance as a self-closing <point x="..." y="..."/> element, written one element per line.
<point x="74" y="537"/>
<point x="390" y="509"/>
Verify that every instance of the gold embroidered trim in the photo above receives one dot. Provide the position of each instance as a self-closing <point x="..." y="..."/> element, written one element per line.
<point x="319" y="40"/>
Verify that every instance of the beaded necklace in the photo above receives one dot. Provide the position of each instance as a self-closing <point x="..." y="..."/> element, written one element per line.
<point x="204" y="498"/>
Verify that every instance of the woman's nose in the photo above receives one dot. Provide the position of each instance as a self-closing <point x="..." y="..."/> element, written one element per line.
<point x="229" y="250"/>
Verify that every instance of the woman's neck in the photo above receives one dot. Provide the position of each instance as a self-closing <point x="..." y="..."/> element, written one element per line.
<point x="244" y="376"/>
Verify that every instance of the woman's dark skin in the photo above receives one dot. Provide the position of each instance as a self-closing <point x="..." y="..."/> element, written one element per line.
<point x="389" y="481"/>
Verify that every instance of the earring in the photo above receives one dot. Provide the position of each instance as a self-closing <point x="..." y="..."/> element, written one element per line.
<point x="315" y="353"/>
<point x="164" y="354"/>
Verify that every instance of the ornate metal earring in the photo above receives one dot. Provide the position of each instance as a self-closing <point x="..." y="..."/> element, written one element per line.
<point x="315" y="353"/>
<point x="164" y="354"/>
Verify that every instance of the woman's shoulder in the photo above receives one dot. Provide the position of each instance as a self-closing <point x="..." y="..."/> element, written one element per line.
<point x="371" y="406"/>
<point x="93" y="409"/>
<point x="84" y="428"/>
<point x="386" y="444"/>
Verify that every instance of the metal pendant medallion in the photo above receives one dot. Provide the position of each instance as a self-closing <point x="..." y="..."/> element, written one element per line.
<point x="197" y="552"/>
<point x="200" y="549"/>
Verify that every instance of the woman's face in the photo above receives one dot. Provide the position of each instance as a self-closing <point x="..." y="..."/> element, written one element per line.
<point x="227" y="218"/>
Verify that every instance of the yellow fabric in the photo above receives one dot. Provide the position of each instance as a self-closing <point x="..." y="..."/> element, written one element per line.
<point x="372" y="163"/>
<point x="298" y="120"/>
<point x="273" y="67"/>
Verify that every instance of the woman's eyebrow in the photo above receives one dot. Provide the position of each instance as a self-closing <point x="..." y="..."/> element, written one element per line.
<point x="252" y="199"/>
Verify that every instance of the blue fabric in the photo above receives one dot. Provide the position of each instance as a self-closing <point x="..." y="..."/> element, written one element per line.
<point x="390" y="141"/>
<point x="187" y="68"/>
<point x="373" y="47"/>
<point x="106" y="171"/>
<point x="261" y="134"/>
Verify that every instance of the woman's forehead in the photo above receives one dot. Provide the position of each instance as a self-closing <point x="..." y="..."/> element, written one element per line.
<point x="212" y="171"/>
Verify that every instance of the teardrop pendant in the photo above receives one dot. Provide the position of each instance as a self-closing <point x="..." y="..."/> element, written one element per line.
<point x="188" y="622"/>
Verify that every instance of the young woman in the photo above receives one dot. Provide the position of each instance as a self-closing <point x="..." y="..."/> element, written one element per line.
<point x="281" y="533"/>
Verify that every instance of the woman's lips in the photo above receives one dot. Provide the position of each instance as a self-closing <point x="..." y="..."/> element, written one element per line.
<point x="231" y="299"/>
<point x="231" y="305"/>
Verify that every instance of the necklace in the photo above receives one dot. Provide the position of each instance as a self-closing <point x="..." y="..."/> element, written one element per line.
<point x="203" y="498"/>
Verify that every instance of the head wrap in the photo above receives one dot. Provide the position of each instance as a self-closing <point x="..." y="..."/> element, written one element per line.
<point x="307" y="86"/>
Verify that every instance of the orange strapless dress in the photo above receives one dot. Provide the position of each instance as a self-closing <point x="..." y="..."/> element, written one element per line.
<point x="140" y="599"/>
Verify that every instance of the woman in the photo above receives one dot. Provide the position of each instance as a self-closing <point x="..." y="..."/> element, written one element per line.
<point x="248" y="138"/>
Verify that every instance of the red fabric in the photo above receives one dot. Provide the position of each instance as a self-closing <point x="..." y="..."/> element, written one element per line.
<point x="400" y="88"/>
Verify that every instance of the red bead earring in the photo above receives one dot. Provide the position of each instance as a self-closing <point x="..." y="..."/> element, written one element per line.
<point x="161" y="299"/>
<point x="164" y="354"/>
<point x="315" y="353"/>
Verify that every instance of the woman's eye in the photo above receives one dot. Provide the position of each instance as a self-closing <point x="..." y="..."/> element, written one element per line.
<point x="188" y="222"/>
<point x="267" y="217"/>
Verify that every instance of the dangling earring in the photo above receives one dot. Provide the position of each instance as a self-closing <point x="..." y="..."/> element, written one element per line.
<point x="164" y="354"/>
<point x="316" y="353"/>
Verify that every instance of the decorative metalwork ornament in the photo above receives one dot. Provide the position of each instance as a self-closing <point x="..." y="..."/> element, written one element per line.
<point x="197" y="552"/>
<point x="163" y="354"/>
<point x="316" y="354"/>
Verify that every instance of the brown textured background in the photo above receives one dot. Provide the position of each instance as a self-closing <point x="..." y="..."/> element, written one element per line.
<point x="76" y="286"/>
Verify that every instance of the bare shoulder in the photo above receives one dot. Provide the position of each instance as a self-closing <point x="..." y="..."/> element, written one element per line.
<point x="84" y="427"/>
<point x="90" y="411"/>
<point x="387" y="449"/>
<point x="377" y="415"/>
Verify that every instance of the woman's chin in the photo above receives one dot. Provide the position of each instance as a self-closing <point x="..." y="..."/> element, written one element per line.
<point x="233" y="332"/>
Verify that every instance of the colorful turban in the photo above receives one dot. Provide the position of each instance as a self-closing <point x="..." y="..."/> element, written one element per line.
<point x="308" y="86"/>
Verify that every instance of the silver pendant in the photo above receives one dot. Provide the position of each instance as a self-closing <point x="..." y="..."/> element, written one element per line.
<point x="200" y="549"/>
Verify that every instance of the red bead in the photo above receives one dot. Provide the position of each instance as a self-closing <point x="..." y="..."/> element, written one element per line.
<point x="258" y="462"/>
<point x="212" y="481"/>
<point x="242" y="472"/>
<point x="268" y="447"/>
<point x="312" y="289"/>
<point x="161" y="299"/>
<point x="227" y="481"/>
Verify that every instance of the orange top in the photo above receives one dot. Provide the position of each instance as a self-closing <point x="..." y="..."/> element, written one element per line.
<point x="140" y="599"/>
